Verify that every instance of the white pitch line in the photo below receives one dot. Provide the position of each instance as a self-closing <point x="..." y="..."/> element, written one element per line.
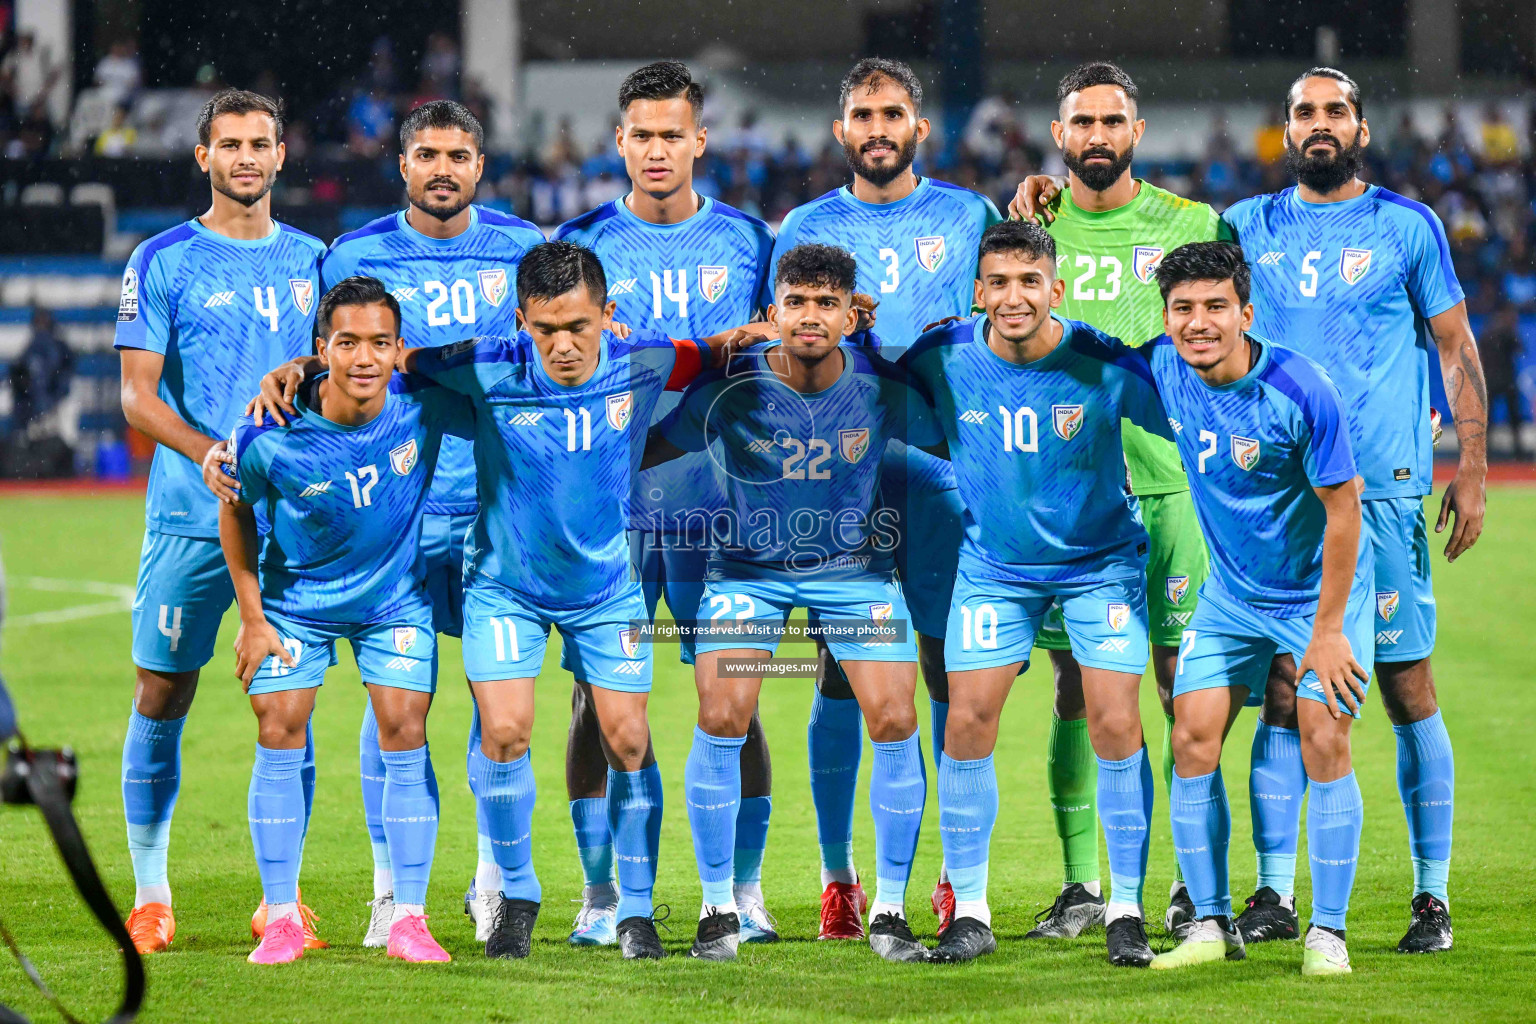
<point x="117" y="590"/>
<point x="79" y="611"/>
<point x="122" y="600"/>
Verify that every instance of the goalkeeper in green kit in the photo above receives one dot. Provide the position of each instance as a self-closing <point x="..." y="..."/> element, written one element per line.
<point x="1111" y="230"/>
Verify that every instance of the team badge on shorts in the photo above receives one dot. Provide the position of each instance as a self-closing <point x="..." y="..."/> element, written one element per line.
<point x="493" y="285"/>
<point x="930" y="252"/>
<point x="880" y="613"/>
<point x="629" y="640"/>
<point x="1117" y="614"/>
<point x="712" y="281"/>
<point x="1386" y="604"/>
<point x="1066" y="420"/>
<point x="853" y="443"/>
<point x="405" y="639"/>
<point x="402" y="458"/>
<point x="1175" y="587"/>
<point x="303" y="293"/>
<point x="620" y="409"/>
<point x="1144" y="261"/>
<point x="1245" y="452"/>
<point x="1353" y="265"/>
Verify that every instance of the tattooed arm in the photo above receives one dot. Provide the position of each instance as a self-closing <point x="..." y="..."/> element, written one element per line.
<point x="1467" y="391"/>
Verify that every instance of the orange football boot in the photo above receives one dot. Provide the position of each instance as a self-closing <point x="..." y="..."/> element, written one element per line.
<point x="152" y="927"/>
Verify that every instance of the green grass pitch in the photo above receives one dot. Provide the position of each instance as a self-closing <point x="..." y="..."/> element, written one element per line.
<point x="72" y="681"/>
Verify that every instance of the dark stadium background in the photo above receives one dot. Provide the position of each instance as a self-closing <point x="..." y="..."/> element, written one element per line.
<point x="97" y="98"/>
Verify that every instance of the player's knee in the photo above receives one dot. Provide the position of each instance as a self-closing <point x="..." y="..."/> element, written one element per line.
<point x="1325" y="752"/>
<point x="1407" y="690"/>
<point x="890" y="722"/>
<point x="277" y="733"/>
<point x="503" y="740"/>
<point x="723" y="718"/>
<point x="1280" y="702"/>
<point x="967" y="721"/>
<point x="403" y="734"/>
<point x="163" y="695"/>
<point x="628" y="740"/>
<point x="1196" y="750"/>
<point x="831" y="681"/>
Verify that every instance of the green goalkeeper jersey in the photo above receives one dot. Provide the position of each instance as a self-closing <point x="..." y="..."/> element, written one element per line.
<point x="1107" y="260"/>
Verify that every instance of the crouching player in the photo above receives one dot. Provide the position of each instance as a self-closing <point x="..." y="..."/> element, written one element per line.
<point x="802" y="421"/>
<point x="1262" y="431"/>
<point x="343" y="485"/>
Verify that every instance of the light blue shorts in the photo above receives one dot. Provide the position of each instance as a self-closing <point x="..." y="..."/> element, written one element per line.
<point x="400" y="653"/>
<point x="1404" y="596"/>
<point x="759" y="609"/>
<point x="1230" y="644"/>
<point x="181" y="596"/>
<point x="994" y="622"/>
<point x="505" y="635"/>
<point x="442" y="556"/>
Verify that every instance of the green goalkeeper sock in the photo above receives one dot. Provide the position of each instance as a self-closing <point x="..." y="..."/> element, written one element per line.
<point x="1178" y="874"/>
<point x="1071" y="779"/>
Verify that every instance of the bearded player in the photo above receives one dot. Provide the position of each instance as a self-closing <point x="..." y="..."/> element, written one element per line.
<point x="915" y="241"/>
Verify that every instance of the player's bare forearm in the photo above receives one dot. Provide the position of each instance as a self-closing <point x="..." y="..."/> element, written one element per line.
<point x="237" y="539"/>
<point x="727" y="343"/>
<point x="1466" y="390"/>
<point x="658" y="450"/>
<point x="148" y="413"/>
<point x="1341" y="549"/>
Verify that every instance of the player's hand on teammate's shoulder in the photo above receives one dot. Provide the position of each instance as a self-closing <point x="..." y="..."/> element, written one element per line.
<point x="866" y="305"/>
<point x="940" y="323"/>
<point x="1466" y="497"/>
<point x="224" y="486"/>
<point x="1340" y="675"/>
<point x="254" y="643"/>
<point x="1033" y="198"/>
<point x="278" y="390"/>
<point x="620" y="330"/>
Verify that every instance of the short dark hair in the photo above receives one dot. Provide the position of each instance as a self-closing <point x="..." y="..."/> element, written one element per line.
<point x="868" y="73"/>
<point x="1096" y="72"/>
<point x="441" y="114"/>
<point x="354" y="291"/>
<point x="1351" y="88"/>
<point x="824" y="266"/>
<point x="1020" y="236"/>
<point x="554" y="268"/>
<point x="237" y="101"/>
<point x="663" y="80"/>
<point x="1205" y="261"/>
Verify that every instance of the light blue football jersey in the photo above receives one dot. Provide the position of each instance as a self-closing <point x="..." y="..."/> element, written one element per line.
<point x="1350" y="285"/>
<point x="692" y="279"/>
<point x="802" y="470"/>
<point x="555" y="465"/>
<point x="1037" y="453"/>
<point x="222" y="311"/>
<point x="1255" y="449"/>
<point x="448" y="289"/>
<point x="345" y="503"/>
<point x="917" y="259"/>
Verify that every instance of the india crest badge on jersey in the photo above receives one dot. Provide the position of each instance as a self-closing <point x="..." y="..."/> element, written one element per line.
<point x="1066" y="420"/>
<point x="629" y="640"/>
<point x="303" y="293"/>
<point x="1175" y="587"/>
<point x="712" y="281"/>
<point x="930" y="252"/>
<point x="493" y="285"/>
<point x="1353" y="265"/>
<point x="1245" y="452"/>
<point x="405" y="639"/>
<point x="1144" y="261"/>
<point x="402" y="459"/>
<point x="1386" y="604"/>
<point x="853" y="443"/>
<point x="620" y="408"/>
<point x="1117" y="614"/>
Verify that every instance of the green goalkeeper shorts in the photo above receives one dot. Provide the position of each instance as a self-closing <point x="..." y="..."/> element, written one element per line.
<point x="1177" y="563"/>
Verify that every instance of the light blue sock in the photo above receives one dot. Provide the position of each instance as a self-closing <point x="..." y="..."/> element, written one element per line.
<point x="1202" y="832"/>
<point x="410" y="820"/>
<point x="634" y="818"/>
<point x="967" y="813"/>
<point x="1335" y="817"/>
<point x="482" y="834"/>
<point x="307" y="772"/>
<point x="505" y="790"/>
<point x="1125" y="809"/>
<point x="751" y="838"/>
<point x="275" y="807"/>
<point x="1426" y="780"/>
<point x="370" y="764"/>
<point x="898" y="790"/>
<point x="836" y="740"/>
<point x="151" y="780"/>
<point x="1276" y="784"/>
<point x="938" y="714"/>
<point x="712" y="786"/>
<point x="594" y="841"/>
